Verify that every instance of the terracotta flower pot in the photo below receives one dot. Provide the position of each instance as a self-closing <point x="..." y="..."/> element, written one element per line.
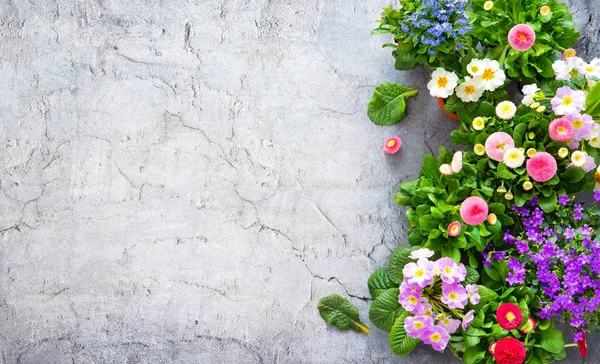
<point x="442" y="105"/>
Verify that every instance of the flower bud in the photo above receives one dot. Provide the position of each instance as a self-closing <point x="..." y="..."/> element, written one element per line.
<point x="541" y="109"/>
<point x="528" y="327"/>
<point x="563" y="152"/>
<point x="479" y="149"/>
<point x="527" y="185"/>
<point x="501" y="189"/>
<point x="531" y="135"/>
<point x="454" y="228"/>
<point x="535" y="105"/>
<point x="545" y="11"/>
<point x="488" y="5"/>
<point x="492" y="219"/>
<point x="478" y="123"/>
<point x="446" y="169"/>
<point x="509" y="196"/>
<point x="569" y="53"/>
<point x="531" y="152"/>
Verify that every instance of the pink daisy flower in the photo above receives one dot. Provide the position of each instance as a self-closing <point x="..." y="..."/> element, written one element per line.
<point x="542" y="167"/>
<point x="497" y="143"/>
<point x="521" y="37"/>
<point x="454" y="228"/>
<point x="474" y="210"/>
<point x="561" y="130"/>
<point x="392" y="145"/>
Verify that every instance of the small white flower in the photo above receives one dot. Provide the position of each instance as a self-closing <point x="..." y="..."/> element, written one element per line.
<point x="478" y="123"/>
<point x="422" y="253"/>
<point x="470" y="90"/>
<point x="590" y="70"/>
<point x="562" y="69"/>
<point x="442" y="83"/>
<point x="446" y="169"/>
<point x="492" y="76"/>
<point x="457" y="162"/>
<point x="513" y="158"/>
<point x="475" y="67"/>
<point x="506" y="110"/>
<point x="593" y="138"/>
<point x="529" y="92"/>
<point x="578" y="158"/>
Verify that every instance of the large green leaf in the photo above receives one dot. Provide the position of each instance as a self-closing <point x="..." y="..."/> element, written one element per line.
<point x="473" y="355"/>
<point x="388" y="104"/>
<point x="400" y="342"/>
<point x="552" y="340"/>
<point x="380" y="282"/>
<point x="592" y="102"/>
<point x="339" y="312"/>
<point x="398" y="260"/>
<point x="385" y="309"/>
<point x="472" y="276"/>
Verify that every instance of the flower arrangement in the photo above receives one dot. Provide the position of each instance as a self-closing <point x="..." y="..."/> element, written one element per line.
<point x="499" y="253"/>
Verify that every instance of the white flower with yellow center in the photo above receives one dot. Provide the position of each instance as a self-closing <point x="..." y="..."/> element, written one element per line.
<point x="470" y="90"/>
<point x="492" y="76"/>
<point x="578" y="158"/>
<point x="593" y="138"/>
<point x="563" y="152"/>
<point x="506" y="110"/>
<point x="590" y="70"/>
<point x="478" y="123"/>
<point x="488" y="5"/>
<point x="475" y="67"/>
<point x="529" y="92"/>
<point x="442" y="83"/>
<point x="457" y="162"/>
<point x="513" y="157"/>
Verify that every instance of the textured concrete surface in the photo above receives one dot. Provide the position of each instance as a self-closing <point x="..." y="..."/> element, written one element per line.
<point x="183" y="180"/>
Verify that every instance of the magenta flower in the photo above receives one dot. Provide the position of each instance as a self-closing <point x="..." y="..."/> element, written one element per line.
<point x="468" y="319"/>
<point x="415" y="325"/>
<point x="561" y="130"/>
<point x="497" y="143"/>
<point x="582" y="125"/>
<point x="410" y="288"/>
<point x="392" y="145"/>
<point x="448" y="323"/>
<point x="473" y="293"/>
<point x="454" y="295"/>
<point x="450" y="272"/>
<point x="412" y="302"/>
<point x="436" y="336"/>
<point x="568" y="101"/>
<point x="542" y="167"/>
<point x="521" y="37"/>
<point x="420" y="273"/>
<point x="474" y="210"/>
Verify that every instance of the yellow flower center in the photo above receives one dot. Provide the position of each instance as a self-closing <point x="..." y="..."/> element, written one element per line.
<point x="510" y="316"/>
<point x="568" y="100"/>
<point x="418" y="325"/>
<point x="469" y="90"/>
<point x="474" y="69"/>
<point x="413" y="300"/>
<point x="391" y="143"/>
<point x="488" y="74"/>
<point x="560" y="130"/>
<point x="589" y="69"/>
<point x="442" y="81"/>
<point x="448" y="270"/>
<point x="578" y="123"/>
<point x="522" y="36"/>
<point x="501" y="146"/>
<point x="453" y="296"/>
<point x="419" y="273"/>
<point x="435" y="337"/>
<point x="506" y="108"/>
<point x="597" y="177"/>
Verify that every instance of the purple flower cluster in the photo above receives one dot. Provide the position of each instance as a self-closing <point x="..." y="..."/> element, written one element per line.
<point x="419" y="295"/>
<point x="563" y="256"/>
<point x="437" y="21"/>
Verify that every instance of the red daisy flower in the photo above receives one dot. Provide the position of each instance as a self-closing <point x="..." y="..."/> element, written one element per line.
<point x="509" y="316"/>
<point x="509" y="351"/>
<point x="582" y="345"/>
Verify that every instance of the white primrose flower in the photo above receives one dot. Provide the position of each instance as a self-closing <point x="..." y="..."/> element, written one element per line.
<point x="470" y="90"/>
<point x="492" y="76"/>
<point x="422" y="253"/>
<point x="506" y="110"/>
<point x="529" y="92"/>
<point x="578" y="158"/>
<point x="562" y="69"/>
<point x="590" y="70"/>
<point x="442" y="83"/>
<point x="475" y="67"/>
<point x="593" y="138"/>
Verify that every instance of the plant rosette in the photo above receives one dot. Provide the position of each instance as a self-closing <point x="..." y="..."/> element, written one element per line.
<point x="558" y="255"/>
<point x="427" y="32"/>
<point x="525" y="152"/>
<point x="523" y="36"/>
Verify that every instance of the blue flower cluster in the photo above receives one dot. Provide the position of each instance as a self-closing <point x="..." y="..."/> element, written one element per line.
<point x="437" y="21"/>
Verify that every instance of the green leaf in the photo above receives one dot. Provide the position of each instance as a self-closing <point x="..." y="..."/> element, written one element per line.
<point x="451" y="252"/>
<point x="402" y="198"/>
<point x="472" y="276"/>
<point x="475" y="332"/>
<point x="430" y="167"/>
<point x="473" y="355"/>
<point x="380" y="282"/>
<point x="593" y="101"/>
<point x="388" y="104"/>
<point x="552" y="340"/>
<point x="398" y="260"/>
<point x="486" y="295"/>
<point x="548" y="203"/>
<point x="400" y="342"/>
<point x="385" y="309"/>
<point x="573" y="175"/>
<point x="339" y="312"/>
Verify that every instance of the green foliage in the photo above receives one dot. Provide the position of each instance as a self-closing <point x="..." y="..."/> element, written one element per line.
<point x="388" y="104"/>
<point x="385" y="309"/>
<point x="380" y="282"/>
<point x="398" y="260"/>
<point x="593" y="101"/>
<point x="552" y="340"/>
<point x="400" y="342"/>
<point x="339" y="312"/>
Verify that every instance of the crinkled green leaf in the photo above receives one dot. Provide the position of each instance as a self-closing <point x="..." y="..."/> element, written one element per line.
<point x="385" y="309"/>
<point x="398" y="260"/>
<point x="472" y="276"/>
<point x="388" y="104"/>
<point x="380" y="282"/>
<point x="400" y="342"/>
<point x="339" y="312"/>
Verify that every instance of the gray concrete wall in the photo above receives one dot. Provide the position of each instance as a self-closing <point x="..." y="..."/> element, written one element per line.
<point x="182" y="180"/>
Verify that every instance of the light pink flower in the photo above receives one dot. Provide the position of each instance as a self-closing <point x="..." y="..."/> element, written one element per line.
<point x="450" y="272"/>
<point x="582" y="125"/>
<point x="542" y="167"/>
<point x="468" y="319"/>
<point x="497" y="143"/>
<point x="437" y="337"/>
<point x="392" y="145"/>
<point x="411" y="302"/>
<point x="473" y="292"/>
<point x="415" y="325"/>
<point x="521" y="37"/>
<point x="474" y="210"/>
<point x="420" y="273"/>
<point x="454" y="228"/>
<point x="448" y="323"/>
<point x="454" y="295"/>
<point x="409" y="288"/>
<point x="561" y="130"/>
<point x="422" y="253"/>
<point x="568" y="101"/>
